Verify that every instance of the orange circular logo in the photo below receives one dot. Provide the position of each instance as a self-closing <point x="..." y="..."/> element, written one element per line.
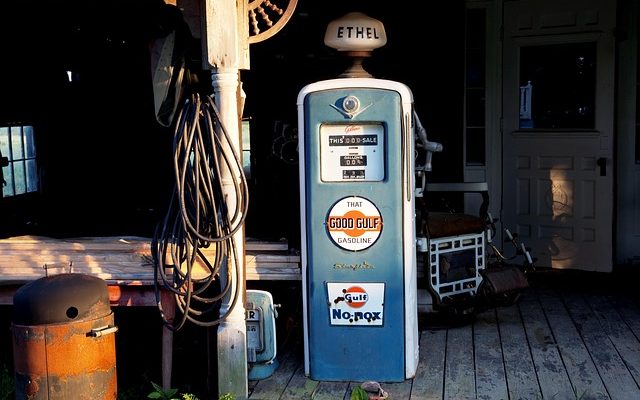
<point x="355" y="296"/>
<point x="354" y="223"/>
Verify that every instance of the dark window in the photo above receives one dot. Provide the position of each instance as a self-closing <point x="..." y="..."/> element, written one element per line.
<point x="475" y="90"/>
<point x="19" y="169"/>
<point x="558" y="86"/>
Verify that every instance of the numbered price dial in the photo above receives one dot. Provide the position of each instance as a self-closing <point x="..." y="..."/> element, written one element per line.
<point x="353" y="152"/>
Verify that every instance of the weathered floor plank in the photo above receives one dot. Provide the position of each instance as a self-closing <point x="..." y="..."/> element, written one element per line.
<point x="615" y="375"/>
<point x="330" y="391"/>
<point x="519" y="368"/>
<point x="299" y="387"/>
<point x="459" y="382"/>
<point x="489" y="366"/>
<point x="398" y="390"/>
<point x="629" y="312"/>
<point x="273" y="387"/>
<point x="428" y="384"/>
<point x="553" y="344"/>
<point x="347" y="395"/>
<point x="553" y="378"/>
<point x="623" y="339"/>
<point x="578" y="363"/>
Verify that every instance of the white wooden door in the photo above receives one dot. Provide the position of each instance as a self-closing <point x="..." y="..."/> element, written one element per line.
<point x="558" y="93"/>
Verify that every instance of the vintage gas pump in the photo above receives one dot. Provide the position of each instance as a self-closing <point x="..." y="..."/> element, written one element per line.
<point x="357" y="218"/>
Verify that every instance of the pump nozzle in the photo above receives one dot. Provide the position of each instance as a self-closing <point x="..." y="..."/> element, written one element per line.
<point x="430" y="147"/>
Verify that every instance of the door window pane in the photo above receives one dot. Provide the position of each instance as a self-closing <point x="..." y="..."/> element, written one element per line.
<point x="19" y="177"/>
<point x="29" y="144"/>
<point x="18" y="149"/>
<point x="558" y="86"/>
<point x="475" y="87"/>
<point x="475" y="146"/>
<point x="475" y="106"/>
<point x="16" y="143"/>
<point x="31" y="175"/>
<point x="4" y="141"/>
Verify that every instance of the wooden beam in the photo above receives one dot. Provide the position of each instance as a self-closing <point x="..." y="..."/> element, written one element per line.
<point x="225" y="34"/>
<point x="124" y="261"/>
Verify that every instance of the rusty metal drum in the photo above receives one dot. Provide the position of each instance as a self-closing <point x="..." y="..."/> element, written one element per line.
<point x="63" y="339"/>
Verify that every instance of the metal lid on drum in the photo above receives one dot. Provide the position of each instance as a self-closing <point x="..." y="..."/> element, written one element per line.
<point x="61" y="298"/>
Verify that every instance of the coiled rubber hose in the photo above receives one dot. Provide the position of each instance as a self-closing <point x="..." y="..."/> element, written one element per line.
<point x="198" y="217"/>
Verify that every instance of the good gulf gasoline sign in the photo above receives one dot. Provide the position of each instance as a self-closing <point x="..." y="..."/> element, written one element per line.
<point x="354" y="223"/>
<point x="357" y="303"/>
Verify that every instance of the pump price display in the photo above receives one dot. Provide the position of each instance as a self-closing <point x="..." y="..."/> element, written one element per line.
<point x="353" y="174"/>
<point x="352" y="152"/>
<point x="353" y="160"/>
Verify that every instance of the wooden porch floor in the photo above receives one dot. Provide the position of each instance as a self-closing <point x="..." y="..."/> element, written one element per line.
<point x="572" y="335"/>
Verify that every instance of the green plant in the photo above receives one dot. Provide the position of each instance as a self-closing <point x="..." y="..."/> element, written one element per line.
<point x="359" y="393"/>
<point x="579" y="396"/>
<point x="7" y="385"/>
<point x="168" y="394"/>
<point x="160" y="393"/>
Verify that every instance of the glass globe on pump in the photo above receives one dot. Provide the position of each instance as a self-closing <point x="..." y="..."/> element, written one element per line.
<point x="356" y="35"/>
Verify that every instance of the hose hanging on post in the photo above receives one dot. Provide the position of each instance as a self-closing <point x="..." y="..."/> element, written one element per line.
<point x="198" y="217"/>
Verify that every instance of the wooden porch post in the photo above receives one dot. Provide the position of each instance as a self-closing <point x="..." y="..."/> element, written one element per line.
<point x="225" y="50"/>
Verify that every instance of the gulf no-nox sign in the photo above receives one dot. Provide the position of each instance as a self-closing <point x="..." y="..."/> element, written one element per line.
<point x="354" y="223"/>
<point x="357" y="303"/>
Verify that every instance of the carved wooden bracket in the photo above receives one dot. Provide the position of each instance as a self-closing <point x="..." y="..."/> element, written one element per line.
<point x="268" y="17"/>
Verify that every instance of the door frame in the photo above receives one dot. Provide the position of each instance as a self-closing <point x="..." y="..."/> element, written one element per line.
<point x="627" y="211"/>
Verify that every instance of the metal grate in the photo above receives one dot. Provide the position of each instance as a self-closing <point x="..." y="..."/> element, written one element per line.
<point x="455" y="264"/>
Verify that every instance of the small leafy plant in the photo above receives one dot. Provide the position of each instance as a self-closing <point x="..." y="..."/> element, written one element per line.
<point x="168" y="394"/>
<point x="359" y="393"/>
<point x="7" y="386"/>
<point x="579" y="396"/>
<point x="160" y="393"/>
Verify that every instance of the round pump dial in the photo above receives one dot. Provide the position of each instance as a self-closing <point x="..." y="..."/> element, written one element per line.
<point x="355" y="31"/>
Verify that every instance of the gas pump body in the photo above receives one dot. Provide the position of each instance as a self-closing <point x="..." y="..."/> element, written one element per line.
<point x="358" y="230"/>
